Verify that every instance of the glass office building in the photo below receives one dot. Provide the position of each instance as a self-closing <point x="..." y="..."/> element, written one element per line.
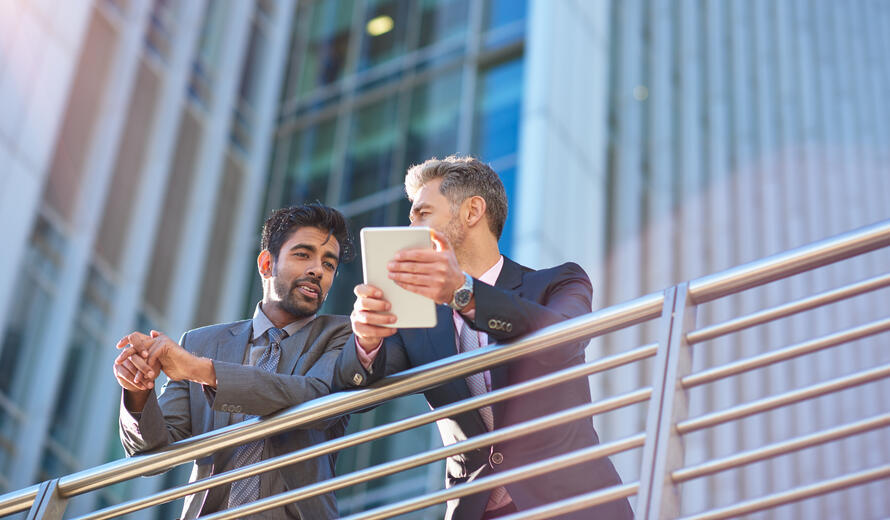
<point x="652" y="141"/>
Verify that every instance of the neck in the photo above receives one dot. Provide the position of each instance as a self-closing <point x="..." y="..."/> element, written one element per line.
<point x="478" y="254"/>
<point x="278" y="316"/>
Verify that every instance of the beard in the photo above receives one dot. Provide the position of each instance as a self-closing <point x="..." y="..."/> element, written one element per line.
<point x="454" y="232"/>
<point x="296" y="303"/>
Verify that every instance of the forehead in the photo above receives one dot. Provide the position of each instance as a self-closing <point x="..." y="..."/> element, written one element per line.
<point x="429" y="194"/>
<point x="313" y="236"/>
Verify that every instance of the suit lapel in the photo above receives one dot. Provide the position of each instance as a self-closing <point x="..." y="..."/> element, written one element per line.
<point x="293" y="347"/>
<point x="509" y="279"/>
<point x="231" y="350"/>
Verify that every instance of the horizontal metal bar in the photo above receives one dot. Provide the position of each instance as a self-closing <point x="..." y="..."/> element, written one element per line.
<point x="795" y="495"/>
<point x="789" y="263"/>
<point x="788" y="309"/>
<point x="776" y="401"/>
<point x="779" y="448"/>
<point x="389" y="468"/>
<point x="374" y="433"/>
<point x="502" y="478"/>
<point x="786" y="353"/>
<point x="576" y="503"/>
<point x="405" y="383"/>
<point x="19" y="500"/>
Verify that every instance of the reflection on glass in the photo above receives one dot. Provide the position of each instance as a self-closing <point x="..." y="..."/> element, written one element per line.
<point x="204" y="68"/>
<point x="499" y="13"/>
<point x="434" y="118"/>
<point x="311" y="159"/>
<point x="383" y="37"/>
<point x="325" y="59"/>
<point x="369" y="159"/>
<point x="444" y="20"/>
<point x="496" y="128"/>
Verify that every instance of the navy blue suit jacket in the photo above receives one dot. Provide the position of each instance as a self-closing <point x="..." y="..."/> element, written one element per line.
<point x="521" y="301"/>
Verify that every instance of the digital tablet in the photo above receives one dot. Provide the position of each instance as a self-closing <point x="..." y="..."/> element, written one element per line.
<point x="379" y="246"/>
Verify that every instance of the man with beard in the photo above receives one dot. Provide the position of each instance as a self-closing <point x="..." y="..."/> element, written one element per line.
<point x="226" y="373"/>
<point x="483" y="297"/>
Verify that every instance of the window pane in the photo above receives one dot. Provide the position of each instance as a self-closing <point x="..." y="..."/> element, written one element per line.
<point x="310" y="164"/>
<point x="369" y="159"/>
<point x="443" y="21"/>
<point x="383" y="31"/>
<point x="325" y="60"/>
<point x="434" y="118"/>
<point x="503" y="12"/>
<point x="499" y="94"/>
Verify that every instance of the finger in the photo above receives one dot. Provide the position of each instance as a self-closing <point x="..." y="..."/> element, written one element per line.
<point x="373" y="318"/>
<point x="124" y="354"/>
<point x="139" y="341"/>
<point x="155" y="333"/>
<point x="122" y="343"/>
<point x="371" y="304"/>
<point x="417" y="255"/>
<point x="367" y="291"/>
<point x="419" y="279"/>
<point x="146" y="371"/>
<point x="122" y="372"/>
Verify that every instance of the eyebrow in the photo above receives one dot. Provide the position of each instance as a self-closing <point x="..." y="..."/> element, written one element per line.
<point x="310" y="247"/>
<point x="420" y="206"/>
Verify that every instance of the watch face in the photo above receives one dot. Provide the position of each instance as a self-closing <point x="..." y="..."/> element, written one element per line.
<point x="462" y="297"/>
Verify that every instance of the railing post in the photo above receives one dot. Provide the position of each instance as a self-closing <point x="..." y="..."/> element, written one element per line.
<point x="48" y="504"/>
<point x="663" y="451"/>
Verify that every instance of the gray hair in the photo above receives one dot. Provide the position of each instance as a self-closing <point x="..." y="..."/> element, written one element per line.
<point x="463" y="177"/>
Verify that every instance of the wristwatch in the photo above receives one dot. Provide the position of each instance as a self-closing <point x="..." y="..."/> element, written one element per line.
<point x="463" y="294"/>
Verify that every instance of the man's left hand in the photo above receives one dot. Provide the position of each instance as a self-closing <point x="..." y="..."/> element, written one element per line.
<point x="434" y="273"/>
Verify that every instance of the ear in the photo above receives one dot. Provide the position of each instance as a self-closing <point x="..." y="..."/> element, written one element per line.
<point x="475" y="210"/>
<point x="264" y="263"/>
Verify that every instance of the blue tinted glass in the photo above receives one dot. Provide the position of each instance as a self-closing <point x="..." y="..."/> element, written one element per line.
<point x="496" y="131"/>
<point x="503" y="12"/>
<point x="508" y="177"/>
<point x="383" y="32"/>
<point x="443" y="21"/>
<point x="434" y="115"/>
<point x="325" y="59"/>
<point x="310" y="163"/>
<point x="369" y="160"/>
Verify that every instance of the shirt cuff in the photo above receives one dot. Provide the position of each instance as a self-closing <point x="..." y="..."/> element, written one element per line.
<point x="367" y="358"/>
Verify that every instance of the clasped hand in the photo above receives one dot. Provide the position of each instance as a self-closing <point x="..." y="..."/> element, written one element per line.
<point x="142" y="358"/>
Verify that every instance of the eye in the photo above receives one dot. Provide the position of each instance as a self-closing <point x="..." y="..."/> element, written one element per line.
<point x="301" y="254"/>
<point x="330" y="266"/>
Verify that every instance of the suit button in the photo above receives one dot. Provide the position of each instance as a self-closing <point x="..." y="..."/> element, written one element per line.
<point x="357" y="379"/>
<point x="496" y="458"/>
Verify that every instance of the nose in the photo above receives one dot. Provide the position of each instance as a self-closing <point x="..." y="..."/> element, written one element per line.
<point x="315" y="270"/>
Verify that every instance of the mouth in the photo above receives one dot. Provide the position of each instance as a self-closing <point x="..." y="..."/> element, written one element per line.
<point x="309" y="290"/>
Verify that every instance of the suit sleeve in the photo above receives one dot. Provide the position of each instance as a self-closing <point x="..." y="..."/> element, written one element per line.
<point x="165" y="418"/>
<point x="505" y="316"/>
<point x="251" y="390"/>
<point x="349" y="373"/>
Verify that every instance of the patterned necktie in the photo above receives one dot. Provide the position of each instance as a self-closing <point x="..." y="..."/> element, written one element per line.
<point x="248" y="489"/>
<point x="469" y="340"/>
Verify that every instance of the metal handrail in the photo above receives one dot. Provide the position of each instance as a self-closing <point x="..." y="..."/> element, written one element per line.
<point x="406" y="383"/>
<point x="378" y="432"/>
<point x="782" y="265"/>
<point x="614" y="318"/>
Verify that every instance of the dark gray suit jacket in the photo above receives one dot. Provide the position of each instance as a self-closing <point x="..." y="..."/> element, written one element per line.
<point x="521" y="301"/>
<point x="183" y="409"/>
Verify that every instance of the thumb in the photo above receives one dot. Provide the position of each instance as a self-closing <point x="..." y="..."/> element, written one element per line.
<point x="440" y="241"/>
<point x="155" y="333"/>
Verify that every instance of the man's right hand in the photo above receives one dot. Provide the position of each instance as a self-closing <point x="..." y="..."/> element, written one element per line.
<point x="369" y="314"/>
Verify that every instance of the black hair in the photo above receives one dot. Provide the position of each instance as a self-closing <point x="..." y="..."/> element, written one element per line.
<point x="282" y="223"/>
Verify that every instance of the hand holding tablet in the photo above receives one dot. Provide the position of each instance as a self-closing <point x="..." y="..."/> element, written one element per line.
<point x="379" y="246"/>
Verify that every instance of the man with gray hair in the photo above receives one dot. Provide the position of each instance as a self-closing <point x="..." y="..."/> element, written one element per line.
<point x="483" y="297"/>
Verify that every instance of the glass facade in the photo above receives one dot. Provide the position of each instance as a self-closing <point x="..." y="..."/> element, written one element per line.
<point x="373" y="87"/>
